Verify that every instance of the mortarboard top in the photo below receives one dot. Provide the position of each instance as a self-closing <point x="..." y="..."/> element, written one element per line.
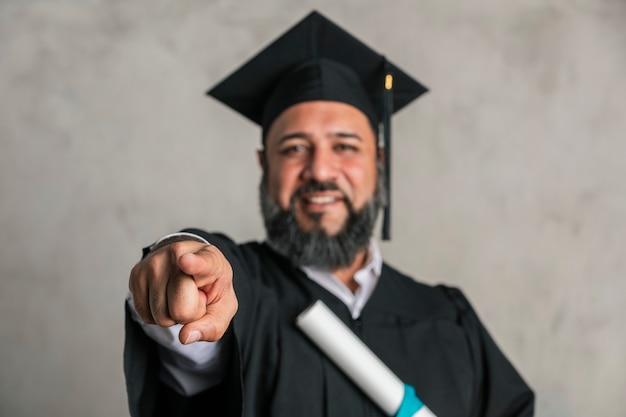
<point x="318" y="60"/>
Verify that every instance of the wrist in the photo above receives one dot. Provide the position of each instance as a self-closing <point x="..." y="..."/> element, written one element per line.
<point x="177" y="237"/>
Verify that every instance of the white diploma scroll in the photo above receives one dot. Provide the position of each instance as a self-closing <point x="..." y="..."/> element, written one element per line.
<point x="353" y="357"/>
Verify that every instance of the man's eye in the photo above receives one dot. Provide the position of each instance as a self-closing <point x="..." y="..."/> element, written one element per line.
<point x="342" y="147"/>
<point x="293" y="150"/>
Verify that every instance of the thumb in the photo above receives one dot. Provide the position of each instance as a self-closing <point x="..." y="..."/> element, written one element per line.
<point x="213" y="325"/>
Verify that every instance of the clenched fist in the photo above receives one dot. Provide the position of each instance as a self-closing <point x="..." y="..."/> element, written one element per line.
<point x="186" y="282"/>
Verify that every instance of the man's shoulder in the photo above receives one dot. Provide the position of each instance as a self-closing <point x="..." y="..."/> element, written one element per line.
<point x="221" y="239"/>
<point x="418" y="295"/>
<point x="410" y="283"/>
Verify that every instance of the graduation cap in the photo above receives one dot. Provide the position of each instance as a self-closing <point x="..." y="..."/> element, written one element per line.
<point x="318" y="60"/>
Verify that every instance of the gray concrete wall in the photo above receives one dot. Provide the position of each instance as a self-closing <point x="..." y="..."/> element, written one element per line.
<point x="508" y="176"/>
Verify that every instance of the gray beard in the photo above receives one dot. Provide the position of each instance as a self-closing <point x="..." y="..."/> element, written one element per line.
<point x="315" y="247"/>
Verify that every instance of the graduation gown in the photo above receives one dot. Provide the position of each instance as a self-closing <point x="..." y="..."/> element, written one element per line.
<point x="429" y="336"/>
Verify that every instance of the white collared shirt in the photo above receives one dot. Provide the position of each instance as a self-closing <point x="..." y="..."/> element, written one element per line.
<point x="366" y="277"/>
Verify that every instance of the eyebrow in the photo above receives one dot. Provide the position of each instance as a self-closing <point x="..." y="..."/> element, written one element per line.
<point x="302" y="135"/>
<point x="349" y="135"/>
<point x="295" y="135"/>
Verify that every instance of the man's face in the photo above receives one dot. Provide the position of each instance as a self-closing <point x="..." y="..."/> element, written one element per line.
<point x="321" y="142"/>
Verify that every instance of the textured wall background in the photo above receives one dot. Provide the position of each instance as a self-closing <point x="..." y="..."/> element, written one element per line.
<point x="508" y="177"/>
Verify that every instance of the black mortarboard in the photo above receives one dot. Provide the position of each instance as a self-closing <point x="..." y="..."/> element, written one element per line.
<point x="317" y="60"/>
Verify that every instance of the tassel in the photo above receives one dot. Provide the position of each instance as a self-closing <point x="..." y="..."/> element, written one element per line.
<point x="387" y="111"/>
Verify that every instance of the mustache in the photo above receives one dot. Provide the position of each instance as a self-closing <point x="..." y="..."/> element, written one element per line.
<point x="317" y="186"/>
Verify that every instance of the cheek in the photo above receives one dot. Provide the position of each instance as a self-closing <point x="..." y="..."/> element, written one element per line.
<point x="282" y="183"/>
<point x="363" y="182"/>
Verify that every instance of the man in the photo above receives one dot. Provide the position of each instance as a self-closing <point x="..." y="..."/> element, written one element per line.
<point x="211" y="328"/>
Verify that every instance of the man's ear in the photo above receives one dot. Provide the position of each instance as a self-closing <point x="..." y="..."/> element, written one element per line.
<point x="260" y="154"/>
<point x="381" y="155"/>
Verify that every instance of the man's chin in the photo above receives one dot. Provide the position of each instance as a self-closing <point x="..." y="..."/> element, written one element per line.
<point x="320" y="223"/>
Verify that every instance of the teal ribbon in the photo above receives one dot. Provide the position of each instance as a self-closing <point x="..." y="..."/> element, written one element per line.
<point x="410" y="403"/>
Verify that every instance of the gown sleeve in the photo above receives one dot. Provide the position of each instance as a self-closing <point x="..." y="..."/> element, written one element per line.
<point x="499" y="391"/>
<point x="149" y="397"/>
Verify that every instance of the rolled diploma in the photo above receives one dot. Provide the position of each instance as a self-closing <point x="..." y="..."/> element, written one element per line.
<point x="354" y="358"/>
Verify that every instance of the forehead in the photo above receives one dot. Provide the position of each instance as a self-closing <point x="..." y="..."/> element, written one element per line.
<point x="320" y="118"/>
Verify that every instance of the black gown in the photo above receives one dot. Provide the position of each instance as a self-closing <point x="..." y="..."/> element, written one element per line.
<point x="429" y="336"/>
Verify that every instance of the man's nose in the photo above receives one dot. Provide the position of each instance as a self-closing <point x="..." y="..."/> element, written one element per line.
<point x="322" y="166"/>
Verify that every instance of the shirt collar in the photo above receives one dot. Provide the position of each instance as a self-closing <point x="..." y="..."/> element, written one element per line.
<point x="367" y="278"/>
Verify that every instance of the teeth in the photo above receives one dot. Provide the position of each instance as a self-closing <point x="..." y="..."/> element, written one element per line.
<point x="321" y="200"/>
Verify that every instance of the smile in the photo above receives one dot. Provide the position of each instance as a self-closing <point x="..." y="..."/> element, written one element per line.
<point x="322" y="199"/>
